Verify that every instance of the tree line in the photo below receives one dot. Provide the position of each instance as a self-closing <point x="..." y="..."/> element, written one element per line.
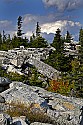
<point x="6" y="42"/>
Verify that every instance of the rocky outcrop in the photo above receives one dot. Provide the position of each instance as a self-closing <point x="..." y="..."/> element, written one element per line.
<point x="63" y="110"/>
<point x="44" y="69"/>
<point x="18" y="57"/>
<point x="37" y="123"/>
<point x="7" y="120"/>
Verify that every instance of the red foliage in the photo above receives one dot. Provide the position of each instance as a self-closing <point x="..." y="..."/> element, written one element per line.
<point x="54" y="85"/>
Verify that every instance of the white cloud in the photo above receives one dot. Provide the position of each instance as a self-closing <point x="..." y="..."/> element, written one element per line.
<point x="52" y="27"/>
<point x="5" y="24"/>
<point x="8" y="27"/>
<point x="78" y="24"/>
<point x="48" y="24"/>
<point x="28" y="18"/>
<point x="61" y="24"/>
<point x="64" y="4"/>
<point x="27" y="34"/>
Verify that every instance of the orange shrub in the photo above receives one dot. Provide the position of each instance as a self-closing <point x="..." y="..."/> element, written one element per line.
<point x="60" y="86"/>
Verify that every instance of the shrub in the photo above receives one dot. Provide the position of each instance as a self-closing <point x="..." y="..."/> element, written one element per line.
<point x="60" y="86"/>
<point x="16" y="109"/>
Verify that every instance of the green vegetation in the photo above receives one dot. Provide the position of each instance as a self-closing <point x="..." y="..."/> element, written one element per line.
<point x="71" y="68"/>
<point x="57" y="59"/>
<point x="6" y="42"/>
<point x="68" y="37"/>
<point x="37" y="41"/>
<point x="61" y="86"/>
<point x="32" y="78"/>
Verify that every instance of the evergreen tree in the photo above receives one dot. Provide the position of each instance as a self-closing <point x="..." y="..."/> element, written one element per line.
<point x="81" y="58"/>
<point x="76" y="74"/>
<point x="57" y="59"/>
<point x="4" y="37"/>
<point x="58" y="42"/>
<point x="32" y="38"/>
<point x="38" y="30"/>
<point x="19" y="23"/>
<point x="81" y="46"/>
<point x="68" y="37"/>
<point x="0" y="38"/>
<point x="37" y="41"/>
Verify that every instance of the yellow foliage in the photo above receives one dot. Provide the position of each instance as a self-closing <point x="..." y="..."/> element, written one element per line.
<point x="60" y="86"/>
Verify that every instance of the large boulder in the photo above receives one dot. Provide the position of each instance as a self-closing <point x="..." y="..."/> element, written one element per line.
<point x="61" y="109"/>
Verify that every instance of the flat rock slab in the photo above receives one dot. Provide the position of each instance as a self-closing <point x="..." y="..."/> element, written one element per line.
<point x="38" y="123"/>
<point x="61" y="108"/>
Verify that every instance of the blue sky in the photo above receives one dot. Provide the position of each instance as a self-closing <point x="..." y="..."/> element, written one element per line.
<point x="51" y="14"/>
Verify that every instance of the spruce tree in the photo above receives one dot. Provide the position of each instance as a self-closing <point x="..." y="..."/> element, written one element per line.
<point x="58" y="42"/>
<point x="81" y="59"/>
<point x="4" y="37"/>
<point x="81" y="46"/>
<point x="0" y="38"/>
<point x="57" y="59"/>
<point x="19" y="24"/>
<point x="38" y="30"/>
<point x="37" y="41"/>
<point x="68" y="37"/>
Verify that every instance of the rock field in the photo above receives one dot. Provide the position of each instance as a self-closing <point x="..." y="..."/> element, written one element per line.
<point x="63" y="110"/>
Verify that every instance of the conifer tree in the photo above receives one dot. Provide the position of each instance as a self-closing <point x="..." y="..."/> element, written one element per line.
<point x="68" y="37"/>
<point x="37" y="41"/>
<point x="4" y="36"/>
<point x="57" y="58"/>
<point x="38" y="30"/>
<point x="0" y="38"/>
<point x="58" y="42"/>
<point x="81" y="58"/>
<point x="19" y="24"/>
<point x="81" y="45"/>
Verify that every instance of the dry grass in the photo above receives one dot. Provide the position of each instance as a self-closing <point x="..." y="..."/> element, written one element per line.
<point x="19" y="109"/>
<point x="68" y="105"/>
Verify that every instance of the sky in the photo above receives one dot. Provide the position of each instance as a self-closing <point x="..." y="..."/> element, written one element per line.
<point x="51" y="15"/>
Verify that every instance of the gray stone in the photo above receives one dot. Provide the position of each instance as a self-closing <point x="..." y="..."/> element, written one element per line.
<point x="44" y="69"/>
<point x="2" y="99"/>
<point x="38" y="123"/>
<point x="5" y="119"/>
<point x="19" y="121"/>
<point x="61" y="109"/>
<point x="18" y="56"/>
